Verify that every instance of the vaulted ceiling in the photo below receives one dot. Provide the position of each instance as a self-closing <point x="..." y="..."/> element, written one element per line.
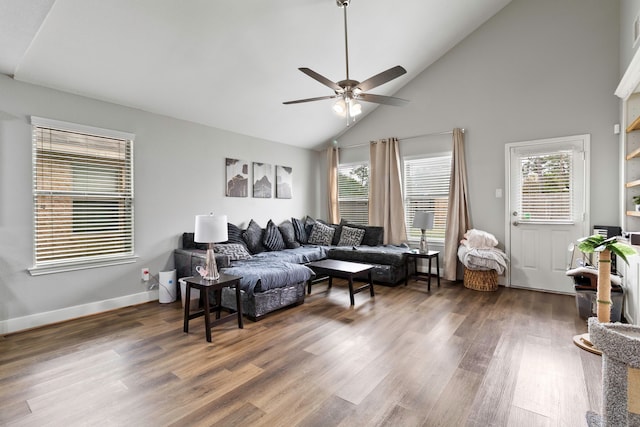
<point x="229" y="64"/>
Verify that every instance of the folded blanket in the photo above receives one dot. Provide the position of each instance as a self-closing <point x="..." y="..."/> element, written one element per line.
<point x="483" y="259"/>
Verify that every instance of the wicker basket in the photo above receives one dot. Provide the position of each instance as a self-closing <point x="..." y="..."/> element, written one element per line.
<point x="481" y="280"/>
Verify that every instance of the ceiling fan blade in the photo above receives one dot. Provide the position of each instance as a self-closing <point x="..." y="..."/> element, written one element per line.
<point x="322" y="79"/>
<point x="381" y="99"/>
<point x="318" y="98"/>
<point x="382" y="78"/>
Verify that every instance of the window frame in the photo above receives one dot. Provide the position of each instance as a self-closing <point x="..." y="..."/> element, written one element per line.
<point x="431" y="234"/>
<point x="340" y="200"/>
<point x="127" y="255"/>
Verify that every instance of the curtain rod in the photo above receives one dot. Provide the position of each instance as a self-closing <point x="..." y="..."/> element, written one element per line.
<point x="446" y="132"/>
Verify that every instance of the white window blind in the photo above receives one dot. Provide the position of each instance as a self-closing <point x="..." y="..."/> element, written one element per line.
<point x="426" y="188"/>
<point x="546" y="193"/>
<point x="353" y="192"/>
<point x="82" y="196"/>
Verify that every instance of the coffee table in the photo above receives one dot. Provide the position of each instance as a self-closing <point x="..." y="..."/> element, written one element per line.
<point x="343" y="269"/>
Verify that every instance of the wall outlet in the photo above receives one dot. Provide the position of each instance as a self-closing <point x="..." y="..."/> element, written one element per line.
<point x="145" y="274"/>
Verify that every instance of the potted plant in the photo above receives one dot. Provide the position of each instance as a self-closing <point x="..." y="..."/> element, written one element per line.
<point x="636" y="200"/>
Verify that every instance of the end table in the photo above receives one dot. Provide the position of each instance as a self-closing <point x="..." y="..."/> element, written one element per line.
<point x="413" y="257"/>
<point x="225" y="280"/>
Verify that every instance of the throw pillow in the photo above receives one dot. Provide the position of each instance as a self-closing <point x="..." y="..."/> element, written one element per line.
<point x="321" y="234"/>
<point x="272" y="238"/>
<point x="235" y="234"/>
<point x="188" y="242"/>
<point x="288" y="235"/>
<point x="253" y="238"/>
<point x="308" y="225"/>
<point x="300" y="230"/>
<point x="235" y="251"/>
<point x="373" y="235"/>
<point x="351" y="236"/>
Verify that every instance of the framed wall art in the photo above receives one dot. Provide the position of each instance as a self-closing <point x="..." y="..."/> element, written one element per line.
<point x="284" y="182"/>
<point x="262" y="180"/>
<point x="237" y="178"/>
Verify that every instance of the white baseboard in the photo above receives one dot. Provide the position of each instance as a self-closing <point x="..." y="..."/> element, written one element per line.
<point x="68" y="313"/>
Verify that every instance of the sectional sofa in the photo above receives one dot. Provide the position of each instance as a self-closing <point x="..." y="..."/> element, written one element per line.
<point x="271" y="259"/>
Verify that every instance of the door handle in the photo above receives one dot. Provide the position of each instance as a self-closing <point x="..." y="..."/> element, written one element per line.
<point x="516" y="223"/>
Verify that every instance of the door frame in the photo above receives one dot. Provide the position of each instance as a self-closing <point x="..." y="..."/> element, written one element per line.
<point x="586" y="141"/>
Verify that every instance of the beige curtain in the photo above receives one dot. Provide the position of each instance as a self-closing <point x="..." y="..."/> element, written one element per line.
<point x="332" y="185"/>
<point x="458" y="220"/>
<point x="386" y="205"/>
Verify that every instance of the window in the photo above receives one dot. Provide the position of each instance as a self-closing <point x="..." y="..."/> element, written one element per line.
<point x="82" y="196"/>
<point x="546" y="190"/>
<point x="353" y="192"/>
<point x="426" y="188"/>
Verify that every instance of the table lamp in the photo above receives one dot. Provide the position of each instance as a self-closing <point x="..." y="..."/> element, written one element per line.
<point x="211" y="229"/>
<point x="423" y="221"/>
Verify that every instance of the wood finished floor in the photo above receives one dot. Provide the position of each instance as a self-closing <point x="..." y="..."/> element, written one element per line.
<point x="451" y="357"/>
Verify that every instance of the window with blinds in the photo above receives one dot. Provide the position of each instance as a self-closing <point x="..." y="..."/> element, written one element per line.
<point x="546" y="193"/>
<point x="82" y="196"/>
<point x="426" y="188"/>
<point x="353" y="192"/>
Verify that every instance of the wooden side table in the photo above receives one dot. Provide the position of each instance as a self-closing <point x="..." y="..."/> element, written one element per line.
<point x="205" y="286"/>
<point x="413" y="257"/>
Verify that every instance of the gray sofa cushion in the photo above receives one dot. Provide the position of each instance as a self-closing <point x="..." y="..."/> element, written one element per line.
<point x="235" y="251"/>
<point x="288" y="235"/>
<point x="373" y="235"/>
<point x="300" y="230"/>
<point x="253" y="238"/>
<point x="388" y="254"/>
<point x="235" y="234"/>
<point x="272" y="238"/>
<point x="350" y="236"/>
<point x="321" y="234"/>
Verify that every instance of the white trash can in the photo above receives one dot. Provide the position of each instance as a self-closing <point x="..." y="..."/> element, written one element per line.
<point x="167" y="287"/>
<point x="195" y="295"/>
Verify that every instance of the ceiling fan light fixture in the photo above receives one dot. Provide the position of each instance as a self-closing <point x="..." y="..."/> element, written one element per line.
<point x="355" y="109"/>
<point x="340" y="107"/>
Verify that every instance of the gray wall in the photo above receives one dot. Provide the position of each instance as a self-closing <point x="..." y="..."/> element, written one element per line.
<point x="179" y="172"/>
<point x="537" y="69"/>
<point x="629" y="11"/>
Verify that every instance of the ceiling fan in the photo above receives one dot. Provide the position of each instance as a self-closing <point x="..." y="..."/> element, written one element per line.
<point x="349" y="92"/>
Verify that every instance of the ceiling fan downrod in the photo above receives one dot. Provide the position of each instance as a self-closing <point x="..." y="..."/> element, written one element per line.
<point x="344" y="4"/>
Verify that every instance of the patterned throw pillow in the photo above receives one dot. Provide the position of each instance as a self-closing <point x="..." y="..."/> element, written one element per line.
<point x="321" y="234"/>
<point x="301" y="232"/>
<point x="235" y="234"/>
<point x="272" y="238"/>
<point x="351" y="236"/>
<point x="288" y="235"/>
<point x="235" y="251"/>
<point x="253" y="238"/>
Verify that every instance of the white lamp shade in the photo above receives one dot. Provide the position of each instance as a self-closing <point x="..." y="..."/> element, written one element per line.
<point x="423" y="220"/>
<point x="211" y="229"/>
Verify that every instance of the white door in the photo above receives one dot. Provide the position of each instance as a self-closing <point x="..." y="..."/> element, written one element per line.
<point x="547" y="201"/>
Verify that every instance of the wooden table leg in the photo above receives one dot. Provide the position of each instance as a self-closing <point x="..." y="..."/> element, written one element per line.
<point x="371" y="285"/>
<point x="239" y="305"/>
<point x="330" y="282"/>
<point x="353" y="302"/>
<point x="207" y="314"/>
<point x="406" y="270"/>
<point x="187" y="304"/>
<point x="438" y="270"/>
<point x="429" y="279"/>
